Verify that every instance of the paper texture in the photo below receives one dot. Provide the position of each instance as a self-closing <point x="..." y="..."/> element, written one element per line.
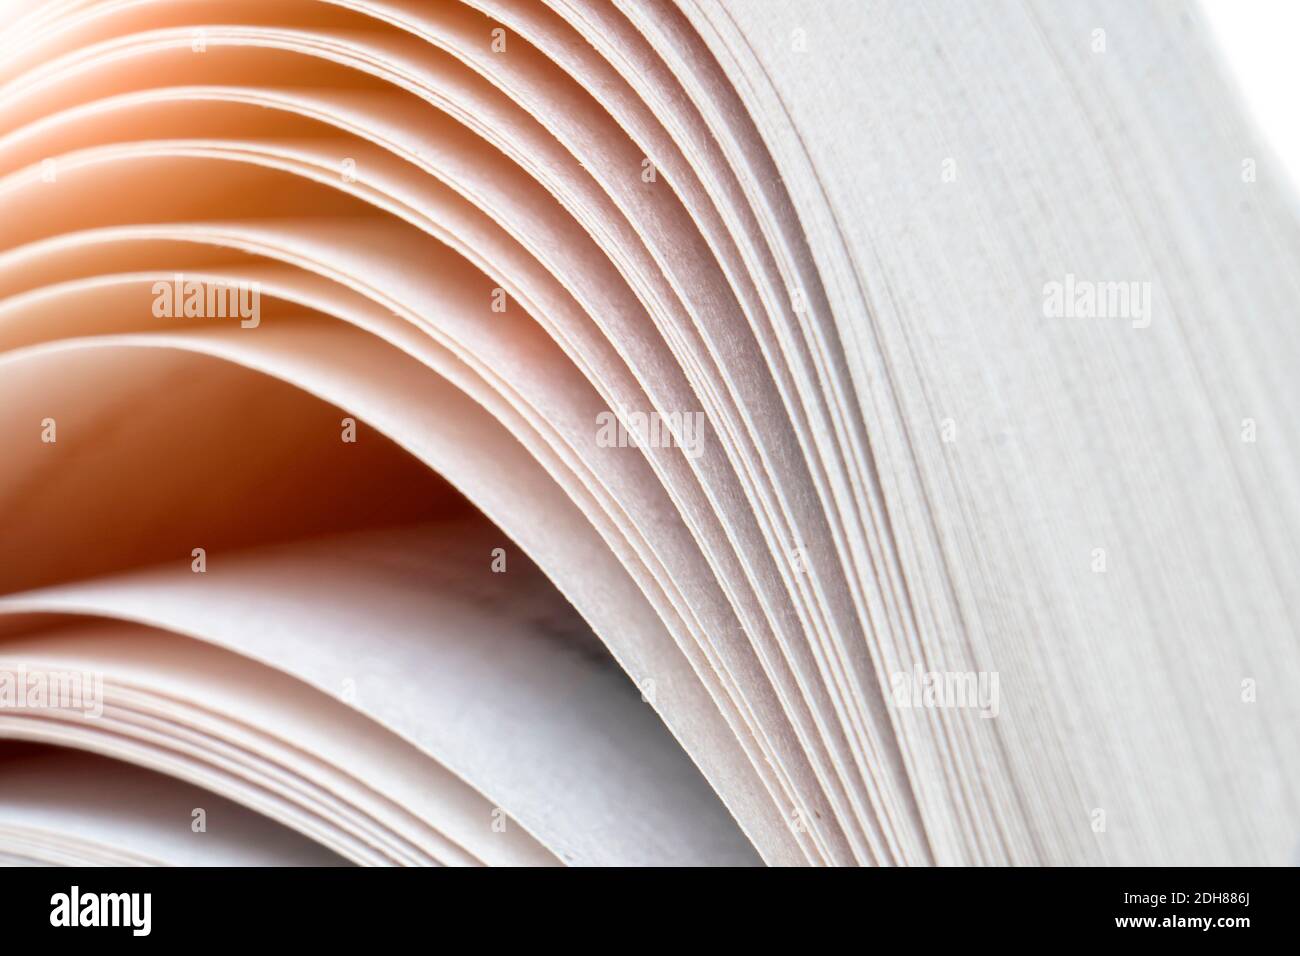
<point x="707" y="432"/>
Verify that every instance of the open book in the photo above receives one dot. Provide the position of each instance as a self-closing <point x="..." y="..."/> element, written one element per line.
<point x="719" y="432"/>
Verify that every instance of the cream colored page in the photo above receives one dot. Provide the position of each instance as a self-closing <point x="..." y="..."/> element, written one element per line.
<point x="140" y="813"/>
<point x="309" y="735"/>
<point x="1101" y="534"/>
<point x="752" y="554"/>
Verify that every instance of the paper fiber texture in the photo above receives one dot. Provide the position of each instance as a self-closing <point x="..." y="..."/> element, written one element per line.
<point x="711" y="432"/>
